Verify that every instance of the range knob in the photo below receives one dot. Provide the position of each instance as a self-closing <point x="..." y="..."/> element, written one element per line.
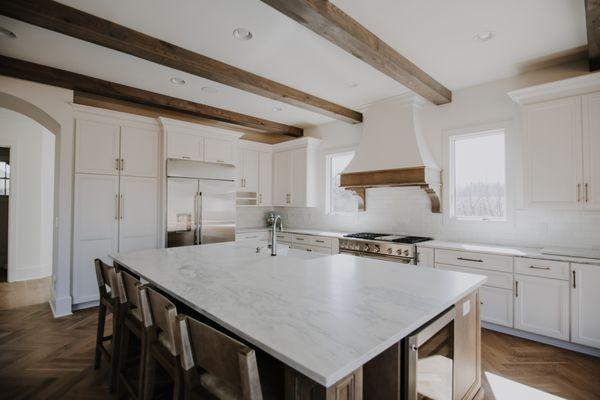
<point x="376" y="248"/>
<point x="399" y="252"/>
<point x="389" y="251"/>
<point x="406" y="253"/>
<point x="366" y="248"/>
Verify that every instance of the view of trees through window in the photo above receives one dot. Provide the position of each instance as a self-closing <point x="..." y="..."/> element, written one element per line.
<point x="340" y="200"/>
<point x="479" y="176"/>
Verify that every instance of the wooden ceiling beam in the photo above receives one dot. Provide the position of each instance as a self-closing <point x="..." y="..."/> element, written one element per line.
<point x="592" y="18"/>
<point x="82" y="83"/>
<point x="78" y="24"/>
<point x="328" y="21"/>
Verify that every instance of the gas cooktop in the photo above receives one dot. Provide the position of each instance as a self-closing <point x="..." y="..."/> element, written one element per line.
<point x="384" y="237"/>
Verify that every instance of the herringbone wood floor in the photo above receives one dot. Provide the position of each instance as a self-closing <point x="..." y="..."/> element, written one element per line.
<point x="44" y="358"/>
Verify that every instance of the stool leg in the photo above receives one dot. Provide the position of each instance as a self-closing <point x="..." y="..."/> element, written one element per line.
<point x="125" y="338"/>
<point x="149" y="375"/>
<point x="116" y="348"/>
<point x="99" y="335"/>
<point x="144" y="349"/>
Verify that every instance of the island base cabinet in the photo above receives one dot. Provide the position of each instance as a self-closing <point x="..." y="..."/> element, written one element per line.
<point x="467" y="347"/>
<point x="299" y="387"/>
<point x="585" y="298"/>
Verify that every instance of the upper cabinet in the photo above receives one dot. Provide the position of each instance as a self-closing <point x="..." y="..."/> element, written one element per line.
<point x="255" y="166"/>
<point x="295" y="173"/>
<point x="561" y="143"/>
<point x="185" y="145"/>
<point x="218" y="151"/>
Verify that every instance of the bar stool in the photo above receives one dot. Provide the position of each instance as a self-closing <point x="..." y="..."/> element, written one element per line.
<point x="214" y="364"/>
<point x="159" y="316"/>
<point x="110" y="302"/>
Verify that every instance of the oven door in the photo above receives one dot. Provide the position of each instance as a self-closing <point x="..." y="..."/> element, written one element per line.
<point x="402" y="260"/>
<point x="428" y="355"/>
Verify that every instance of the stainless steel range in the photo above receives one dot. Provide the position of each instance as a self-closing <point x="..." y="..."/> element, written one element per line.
<point x="382" y="246"/>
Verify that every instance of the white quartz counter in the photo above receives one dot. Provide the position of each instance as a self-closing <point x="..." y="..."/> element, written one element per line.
<point x="323" y="316"/>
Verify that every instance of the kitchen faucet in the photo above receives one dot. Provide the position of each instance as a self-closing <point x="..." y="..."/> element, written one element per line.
<point x="273" y="234"/>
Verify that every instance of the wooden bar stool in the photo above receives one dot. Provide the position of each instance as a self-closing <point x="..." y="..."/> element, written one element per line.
<point x="132" y="324"/>
<point x="159" y="316"/>
<point x="215" y="365"/>
<point x="110" y="302"/>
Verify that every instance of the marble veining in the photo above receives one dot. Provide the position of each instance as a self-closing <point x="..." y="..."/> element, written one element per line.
<point x="322" y="315"/>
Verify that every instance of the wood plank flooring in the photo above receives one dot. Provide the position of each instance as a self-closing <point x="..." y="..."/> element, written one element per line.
<point x="46" y="358"/>
<point x="24" y="293"/>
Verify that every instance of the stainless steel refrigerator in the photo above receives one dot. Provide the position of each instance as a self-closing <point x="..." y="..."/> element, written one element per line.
<point x="200" y="203"/>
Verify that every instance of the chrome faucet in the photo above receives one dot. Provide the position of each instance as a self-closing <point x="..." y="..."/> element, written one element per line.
<point x="274" y="235"/>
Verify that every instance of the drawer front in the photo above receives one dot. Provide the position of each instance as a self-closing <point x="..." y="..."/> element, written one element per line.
<point x="497" y="306"/>
<point x="502" y="280"/>
<point x="316" y="249"/>
<point x="301" y="239"/>
<point x="252" y="236"/>
<point x="475" y="260"/>
<point x="320" y="241"/>
<point x="543" y="268"/>
<point x="283" y="237"/>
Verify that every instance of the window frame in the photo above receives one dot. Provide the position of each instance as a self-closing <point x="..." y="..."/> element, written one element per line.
<point x="328" y="156"/>
<point x="449" y="138"/>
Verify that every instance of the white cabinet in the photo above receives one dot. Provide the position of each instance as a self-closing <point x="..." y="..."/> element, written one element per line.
<point x="425" y="257"/>
<point x="496" y="305"/>
<point x="295" y="173"/>
<point x="585" y="299"/>
<point x="138" y="216"/>
<point x="249" y="170"/>
<point x="97" y="147"/>
<point x="139" y="151"/>
<point x="591" y="151"/>
<point x="255" y="173"/>
<point x="218" y="151"/>
<point x="265" y="179"/>
<point x="185" y="145"/>
<point x="542" y="306"/>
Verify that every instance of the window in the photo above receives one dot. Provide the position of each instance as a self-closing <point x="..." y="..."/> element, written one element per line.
<point x="4" y="179"/>
<point x="478" y="176"/>
<point x="339" y="200"/>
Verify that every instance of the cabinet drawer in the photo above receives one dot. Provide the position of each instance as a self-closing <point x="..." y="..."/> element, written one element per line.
<point x="302" y="239"/>
<point x="263" y="235"/>
<point x="283" y="237"/>
<point x="474" y="260"/>
<point x="316" y="249"/>
<point x="320" y="241"/>
<point x="503" y="280"/>
<point x="496" y="306"/>
<point x="543" y="268"/>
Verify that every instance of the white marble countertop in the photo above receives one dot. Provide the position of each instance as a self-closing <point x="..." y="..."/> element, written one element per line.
<point x="323" y="316"/>
<point x="302" y="231"/>
<point x="513" y="251"/>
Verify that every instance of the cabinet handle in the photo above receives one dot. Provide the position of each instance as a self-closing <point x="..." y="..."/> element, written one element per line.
<point x="299" y="238"/>
<point x="116" y="206"/>
<point x="578" y="192"/>
<point x="260" y="198"/>
<point x="516" y="288"/>
<point x="586" y="192"/>
<point x="117" y="164"/>
<point x="574" y="280"/>
<point x="308" y="249"/>
<point x="122" y="163"/>
<point x="469" y="259"/>
<point x="185" y="157"/>
<point x="544" y="268"/>
<point x="220" y="161"/>
<point x="122" y="207"/>
<point x="320" y="241"/>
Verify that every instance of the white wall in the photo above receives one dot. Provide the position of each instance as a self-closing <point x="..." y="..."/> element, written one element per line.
<point x="407" y="210"/>
<point x="30" y="221"/>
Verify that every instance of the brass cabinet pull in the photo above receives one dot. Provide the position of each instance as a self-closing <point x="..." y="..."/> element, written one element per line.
<point x="586" y="192"/>
<point x="320" y="241"/>
<point x="117" y="164"/>
<point x="578" y="192"/>
<point x="299" y="238"/>
<point x="574" y="280"/>
<point x="516" y="288"/>
<point x="122" y="216"/>
<point x="469" y="259"/>
<point x="122" y="163"/>
<point x="220" y="161"/>
<point x="544" y="268"/>
<point x="116" y="206"/>
<point x="186" y="157"/>
<point x="260" y="198"/>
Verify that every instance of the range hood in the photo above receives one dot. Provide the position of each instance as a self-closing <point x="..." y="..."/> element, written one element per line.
<point x="393" y="152"/>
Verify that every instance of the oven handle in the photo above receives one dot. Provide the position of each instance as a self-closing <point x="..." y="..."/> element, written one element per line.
<point x="402" y="260"/>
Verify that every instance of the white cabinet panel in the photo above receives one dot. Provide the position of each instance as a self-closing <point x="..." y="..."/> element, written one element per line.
<point x="95" y="230"/>
<point x="261" y="236"/>
<point x="265" y="179"/>
<point x="553" y="153"/>
<point x="138" y="223"/>
<point x="250" y="170"/>
<point x="218" y="151"/>
<point x="425" y="257"/>
<point x="316" y="249"/>
<point x="585" y="299"/>
<point x="139" y="151"/>
<point x="185" y="145"/>
<point x="591" y="150"/>
<point x="542" y="268"/>
<point x="503" y="280"/>
<point x="282" y="172"/>
<point x="542" y="306"/>
<point x="492" y="262"/>
<point x="96" y="147"/>
<point x="496" y="305"/>
<point x="298" y="177"/>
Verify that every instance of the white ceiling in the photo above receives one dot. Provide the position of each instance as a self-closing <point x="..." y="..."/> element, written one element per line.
<point x="436" y="35"/>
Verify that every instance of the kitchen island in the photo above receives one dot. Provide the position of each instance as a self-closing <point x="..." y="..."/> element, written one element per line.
<point x="335" y="322"/>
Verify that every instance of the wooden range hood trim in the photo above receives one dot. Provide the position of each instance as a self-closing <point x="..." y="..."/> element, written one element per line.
<point x="358" y="182"/>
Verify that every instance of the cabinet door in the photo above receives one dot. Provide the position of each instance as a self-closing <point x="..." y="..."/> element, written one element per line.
<point x="282" y="178"/>
<point x="265" y="178"/>
<point x="185" y="145"/>
<point x="467" y="347"/>
<point x="496" y="305"/>
<point x="251" y="166"/>
<point x="542" y="306"/>
<point x="95" y="230"/>
<point x="553" y="153"/>
<point x="585" y="298"/>
<point x="591" y="151"/>
<point x="139" y="151"/>
<point x="425" y="257"/>
<point x="298" y="177"/>
<point x="138" y="220"/>
<point x="218" y="151"/>
<point x="96" y="147"/>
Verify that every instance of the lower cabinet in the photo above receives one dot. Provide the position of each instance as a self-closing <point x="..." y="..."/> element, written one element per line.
<point x="316" y="249"/>
<point x="496" y="305"/>
<point x="585" y="299"/>
<point x="542" y="306"/>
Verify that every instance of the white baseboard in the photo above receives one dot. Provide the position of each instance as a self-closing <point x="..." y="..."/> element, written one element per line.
<point x="87" y="304"/>
<point x="542" y="339"/>
<point x="28" y="273"/>
<point x="61" y="307"/>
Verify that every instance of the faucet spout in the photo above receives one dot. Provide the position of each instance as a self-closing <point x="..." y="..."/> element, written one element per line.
<point x="274" y="234"/>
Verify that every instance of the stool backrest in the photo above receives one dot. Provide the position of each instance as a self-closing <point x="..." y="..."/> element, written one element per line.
<point x="106" y="277"/>
<point x="131" y="288"/>
<point x="160" y="312"/>
<point x="230" y="361"/>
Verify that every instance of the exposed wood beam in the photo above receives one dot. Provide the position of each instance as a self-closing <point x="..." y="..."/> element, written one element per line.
<point x="592" y="17"/>
<point x="328" y="21"/>
<point x="78" y="24"/>
<point x="81" y="83"/>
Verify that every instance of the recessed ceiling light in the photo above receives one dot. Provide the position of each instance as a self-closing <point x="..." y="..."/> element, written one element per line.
<point x="242" y="34"/>
<point x="353" y="85"/>
<point x="177" y="81"/>
<point x="277" y="109"/>
<point x="484" y="36"/>
<point x="7" y="33"/>
<point x="209" y="89"/>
